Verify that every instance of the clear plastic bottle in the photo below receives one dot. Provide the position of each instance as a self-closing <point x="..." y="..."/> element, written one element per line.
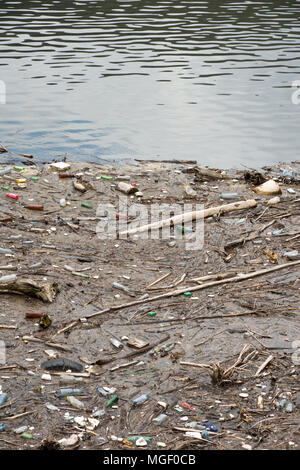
<point x="141" y="399"/>
<point x="76" y="403"/>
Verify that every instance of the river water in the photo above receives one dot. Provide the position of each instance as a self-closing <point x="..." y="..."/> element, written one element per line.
<point x="212" y="81"/>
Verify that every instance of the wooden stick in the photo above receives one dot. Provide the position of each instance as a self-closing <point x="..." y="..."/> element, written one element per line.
<point x="66" y="328"/>
<point x="264" y="364"/>
<point x="194" y="215"/>
<point x="158" y="280"/>
<point x="193" y="364"/>
<point x="217" y="276"/>
<point x="10" y="418"/>
<point x="238" y="278"/>
<point x="122" y="366"/>
<point x="47" y="343"/>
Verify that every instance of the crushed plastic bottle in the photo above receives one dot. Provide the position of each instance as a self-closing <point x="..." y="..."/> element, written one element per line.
<point x="288" y="174"/>
<point x="5" y="171"/>
<point x="160" y="419"/>
<point x="20" y="430"/>
<point x="103" y="392"/>
<point x="293" y="255"/>
<point x="210" y="426"/>
<point x="282" y="403"/>
<point x="141" y="399"/>
<point x="6" y="251"/>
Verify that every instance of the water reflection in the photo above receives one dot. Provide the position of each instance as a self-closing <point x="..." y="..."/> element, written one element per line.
<point x="207" y="80"/>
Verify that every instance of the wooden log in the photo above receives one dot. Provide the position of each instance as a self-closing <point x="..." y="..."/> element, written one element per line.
<point x="194" y="215"/>
<point x="46" y="291"/>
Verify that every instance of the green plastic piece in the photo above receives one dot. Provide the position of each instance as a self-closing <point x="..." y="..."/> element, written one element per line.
<point x="178" y="408"/>
<point x="86" y="276"/>
<point x="151" y="314"/>
<point x="6" y="188"/>
<point x="113" y="400"/>
<point x="25" y="435"/>
<point x="86" y="204"/>
<point x="19" y="168"/>
<point x="34" y="178"/>
<point x="135" y="438"/>
<point x="106" y="177"/>
<point x="187" y="294"/>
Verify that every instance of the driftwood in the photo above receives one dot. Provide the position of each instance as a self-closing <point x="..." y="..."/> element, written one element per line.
<point x="218" y="374"/>
<point x="46" y="291"/>
<point x="261" y="368"/>
<point x="238" y="278"/>
<point x="206" y="174"/>
<point x="194" y="215"/>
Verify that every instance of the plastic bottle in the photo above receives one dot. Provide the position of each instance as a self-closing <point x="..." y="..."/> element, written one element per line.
<point x="282" y="403"/>
<point x="70" y="379"/>
<point x="228" y="196"/>
<point x="289" y="407"/>
<point x="74" y="402"/>
<point x="160" y="419"/>
<point x="116" y="343"/>
<point x="182" y="229"/>
<point x="25" y="435"/>
<point x="21" y="429"/>
<point x="113" y="400"/>
<point x="6" y="251"/>
<point x="120" y="286"/>
<point x="103" y="392"/>
<point x="195" y="425"/>
<point x="36" y="265"/>
<point x="66" y="392"/>
<point x="141" y="399"/>
<point x="10" y="277"/>
<point x="5" y="171"/>
<point x="135" y="438"/>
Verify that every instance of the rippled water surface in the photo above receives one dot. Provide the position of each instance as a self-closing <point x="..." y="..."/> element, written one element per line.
<point x="204" y="80"/>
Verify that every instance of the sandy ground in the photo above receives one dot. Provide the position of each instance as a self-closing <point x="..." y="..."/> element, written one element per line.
<point x="209" y="327"/>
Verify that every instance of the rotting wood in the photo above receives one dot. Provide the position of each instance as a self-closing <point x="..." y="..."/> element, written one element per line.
<point x="46" y="291"/>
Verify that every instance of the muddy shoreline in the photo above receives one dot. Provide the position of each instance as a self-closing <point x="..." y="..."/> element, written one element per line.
<point x="210" y="326"/>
